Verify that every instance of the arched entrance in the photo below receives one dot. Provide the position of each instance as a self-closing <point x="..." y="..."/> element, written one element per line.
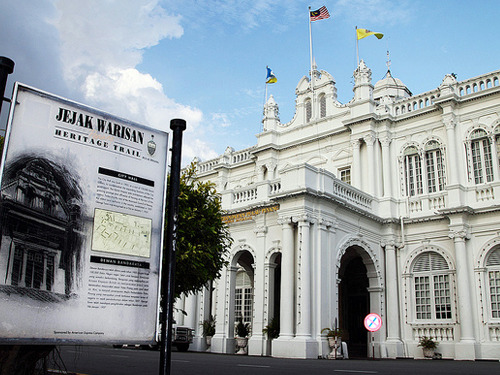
<point x="354" y="302"/>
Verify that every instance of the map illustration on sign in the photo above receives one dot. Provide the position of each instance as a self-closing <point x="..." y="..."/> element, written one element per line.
<point x="120" y="233"/>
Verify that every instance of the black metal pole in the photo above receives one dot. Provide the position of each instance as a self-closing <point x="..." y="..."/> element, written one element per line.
<point x="6" y="68"/>
<point x="168" y="270"/>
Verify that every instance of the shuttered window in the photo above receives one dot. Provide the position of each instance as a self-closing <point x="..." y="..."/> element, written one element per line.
<point x="308" y="111"/>
<point x="432" y="288"/>
<point x="413" y="172"/>
<point x="493" y="267"/>
<point x="434" y="166"/>
<point x="480" y="153"/>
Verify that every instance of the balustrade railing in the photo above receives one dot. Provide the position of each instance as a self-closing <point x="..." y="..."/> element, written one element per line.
<point x="473" y="85"/>
<point x="352" y="195"/>
<point x="438" y="333"/>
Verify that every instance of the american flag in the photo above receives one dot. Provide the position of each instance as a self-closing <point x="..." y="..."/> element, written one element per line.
<point x="320" y="14"/>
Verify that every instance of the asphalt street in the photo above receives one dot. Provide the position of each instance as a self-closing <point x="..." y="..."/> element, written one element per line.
<point x="110" y="361"/>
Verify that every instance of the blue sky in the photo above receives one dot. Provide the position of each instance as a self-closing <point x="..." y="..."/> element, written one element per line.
<point x="205" y="60"/>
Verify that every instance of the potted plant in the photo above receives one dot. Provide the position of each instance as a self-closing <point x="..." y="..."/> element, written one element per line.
<point x="428" y="346"/>
<point x="208" y="329"/>
<point x="272" y="330"/>
<point x="242" y="332"/>
<point x="334" y="336"/>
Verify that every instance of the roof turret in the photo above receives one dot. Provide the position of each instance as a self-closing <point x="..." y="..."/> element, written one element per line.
<point x="390" y="87"/>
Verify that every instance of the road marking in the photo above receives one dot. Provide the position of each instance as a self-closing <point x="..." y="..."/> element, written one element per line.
<point x="358" y="371"/>
<point x="253" y="366"/>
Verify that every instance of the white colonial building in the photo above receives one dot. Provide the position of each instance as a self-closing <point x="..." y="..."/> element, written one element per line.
<point x="387" y="204"/>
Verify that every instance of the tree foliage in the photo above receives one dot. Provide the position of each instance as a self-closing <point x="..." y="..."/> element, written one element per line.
<point x="203" y="239"/>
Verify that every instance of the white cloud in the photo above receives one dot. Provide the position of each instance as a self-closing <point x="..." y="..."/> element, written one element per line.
<point x="102" y="43"/>
<point x="221" y="119"/>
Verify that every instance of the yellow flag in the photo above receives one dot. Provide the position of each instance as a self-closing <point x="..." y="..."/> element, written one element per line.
<point x="363" y="33"/>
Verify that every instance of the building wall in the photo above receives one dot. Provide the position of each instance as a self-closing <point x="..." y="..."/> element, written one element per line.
<point x="288" y="210"/>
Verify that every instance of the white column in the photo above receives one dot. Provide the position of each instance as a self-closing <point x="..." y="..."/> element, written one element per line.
<point x="304" y="313"/>
<point x="386" y="164"/>
<point x="392" y="292"/>
<point x="223" y="341"/>
<point x="287" y="281"/>
<point x="452" y="157"/>
<point x="190" y="308"/>
<point x="465" y="349"/>
<point x="371" y="167"/>
<point x="324" y="294"/>
<point x="356" y="163"/>
<point x="393" y="344"/>
<point x="256" y="345"/>
<point x="463" y="285"/>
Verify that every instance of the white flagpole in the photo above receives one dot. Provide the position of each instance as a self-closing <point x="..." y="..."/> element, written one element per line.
<point x="310" y="40"/>
<point x="311" y="60"/>
<point x="357" y="46"/>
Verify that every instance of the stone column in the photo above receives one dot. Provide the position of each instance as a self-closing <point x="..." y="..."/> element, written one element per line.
<point x="394" y="344"/>
<point x="356" y="163"/>
<point x="371" y="167"/>
<point x="392" y="295"/>
<point x="281" y="345"/>
<point x="324" y="287"/>
<point x="452" y="156"/>
<point x="190" y="307"/>
<point x="287" y="281"/>
<point x="464" y="350"/>
<point x="304" y="313"/>
<point x="256" y="342"/>
<point x="386" y="163"/>
<point x="223" y="341"/>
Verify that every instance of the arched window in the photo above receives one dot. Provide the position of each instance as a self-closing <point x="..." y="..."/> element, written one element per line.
<point x="308" y="110"/>
<point x="413" y="171"/>
<point x="431" y="281"/>
<point x="434" y="167"/>
<point x="243" y="297"/>
<point x="322" y="106"/>
<point x="497" y="141"/>
<point x="493" y="269"/>
<point x="480" y="154"/>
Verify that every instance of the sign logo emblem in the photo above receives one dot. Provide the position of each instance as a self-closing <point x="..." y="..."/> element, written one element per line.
<point x="151" y="146"/>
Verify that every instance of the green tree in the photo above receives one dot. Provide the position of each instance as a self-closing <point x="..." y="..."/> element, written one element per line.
<point x="203" y="239"/>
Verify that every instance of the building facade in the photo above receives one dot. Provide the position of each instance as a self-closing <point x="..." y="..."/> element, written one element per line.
<point x="387" y="204"/>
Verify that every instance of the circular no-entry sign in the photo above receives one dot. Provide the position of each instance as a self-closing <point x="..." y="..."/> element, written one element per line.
<point x="373" y="322"/>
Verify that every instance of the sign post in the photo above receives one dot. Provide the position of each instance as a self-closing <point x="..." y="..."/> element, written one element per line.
<point x="373" y="322"/>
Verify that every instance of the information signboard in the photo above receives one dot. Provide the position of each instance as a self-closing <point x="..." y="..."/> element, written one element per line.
<point x="82" y="209"/>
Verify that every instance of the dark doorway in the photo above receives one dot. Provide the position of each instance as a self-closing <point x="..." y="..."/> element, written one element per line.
<point x="277" y="289"/>
<point x="354" y="304"/>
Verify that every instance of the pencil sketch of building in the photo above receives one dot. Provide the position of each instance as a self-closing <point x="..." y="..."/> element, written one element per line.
<point x="40" y="245"/>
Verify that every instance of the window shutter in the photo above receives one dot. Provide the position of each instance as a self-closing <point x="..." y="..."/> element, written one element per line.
<point x="494" y="258"/>
<point x="430" y="261"/>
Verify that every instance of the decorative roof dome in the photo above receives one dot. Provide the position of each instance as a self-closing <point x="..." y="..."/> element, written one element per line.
<point x="392" y="87"/>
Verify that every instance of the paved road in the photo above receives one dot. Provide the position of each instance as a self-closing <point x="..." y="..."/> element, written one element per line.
<point x="110" y="361"/>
